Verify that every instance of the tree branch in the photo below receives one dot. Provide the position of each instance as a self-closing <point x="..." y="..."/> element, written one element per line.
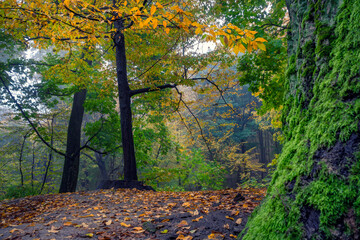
<point x="149" y="89"/>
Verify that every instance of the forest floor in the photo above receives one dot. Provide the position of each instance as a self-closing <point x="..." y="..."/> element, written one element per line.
<point x="129" y="214"/>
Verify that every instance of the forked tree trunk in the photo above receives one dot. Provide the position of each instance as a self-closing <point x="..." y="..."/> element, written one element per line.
<point x="315" y="191"/>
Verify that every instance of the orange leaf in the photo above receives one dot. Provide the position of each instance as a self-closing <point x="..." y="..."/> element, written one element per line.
<point x="138" y="230"/>
<point x="90" y="215"/>
<point x="197" y="219"/>
<point x="152" y="10"/>
<point x="183" y="223"/>
<point x="125" y="225"/>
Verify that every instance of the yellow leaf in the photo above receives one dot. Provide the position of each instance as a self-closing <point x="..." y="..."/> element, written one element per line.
<point x="125" y="225"/>
<point x="152" y="10"/>
<point x="89" y="234"/>
<point x="261" y="46"/>
<point x="229" y="218"/>
<point x="164" y="24"/>
<point x="167" y="30"/>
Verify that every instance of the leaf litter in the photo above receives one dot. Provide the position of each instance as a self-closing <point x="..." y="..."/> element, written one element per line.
<point x="129" y="214"/>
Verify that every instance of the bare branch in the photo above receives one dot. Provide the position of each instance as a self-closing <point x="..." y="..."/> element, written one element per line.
<point x="198" y="123"/>
<point x="149" y="89"/>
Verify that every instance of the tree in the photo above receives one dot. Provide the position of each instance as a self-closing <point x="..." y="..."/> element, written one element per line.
<point x="83" y="23"/>
<point x="314" y="193"/>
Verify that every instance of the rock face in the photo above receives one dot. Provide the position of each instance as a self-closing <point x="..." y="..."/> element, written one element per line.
<point x="315" y="190"/>
<point x="107" y="184"/>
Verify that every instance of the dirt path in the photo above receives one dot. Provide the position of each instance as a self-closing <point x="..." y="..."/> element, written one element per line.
<point x="129" y="214"/>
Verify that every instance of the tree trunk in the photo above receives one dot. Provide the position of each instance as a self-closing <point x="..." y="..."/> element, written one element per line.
<point x="130" y="172"/>
<point x="314" y="193"/>
<point x="21" y="158"/>
<point x="72" y="159"/>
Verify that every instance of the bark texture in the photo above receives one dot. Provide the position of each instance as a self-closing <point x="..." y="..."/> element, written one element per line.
<point x="314" y="193"/>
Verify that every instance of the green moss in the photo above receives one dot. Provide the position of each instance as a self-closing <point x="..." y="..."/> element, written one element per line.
<point x="331" y="63"/>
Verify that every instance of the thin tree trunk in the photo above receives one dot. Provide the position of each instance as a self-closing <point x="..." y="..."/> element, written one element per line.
<point x="33" y="165"/>
<point x="50" y="155"/>
<point x="20" y="159"/>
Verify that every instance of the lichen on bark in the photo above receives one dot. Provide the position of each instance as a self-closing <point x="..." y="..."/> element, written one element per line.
<point x="314" y="193"/>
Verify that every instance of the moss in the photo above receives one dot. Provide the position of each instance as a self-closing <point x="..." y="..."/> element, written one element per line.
<point x="315" y="124"/>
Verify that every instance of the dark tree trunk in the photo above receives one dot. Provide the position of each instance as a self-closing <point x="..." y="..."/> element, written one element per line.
<point x="130" y="172"/>
<point x="72" y="159"/>
<point x="314" y="193"/>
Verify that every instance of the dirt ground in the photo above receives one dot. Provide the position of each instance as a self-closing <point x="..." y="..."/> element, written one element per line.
<point x="129" y="214"/>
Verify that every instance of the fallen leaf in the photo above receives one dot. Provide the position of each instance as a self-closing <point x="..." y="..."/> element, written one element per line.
<point x="234" y="213"/>
<point x="183" y="223"/>
<point x="233" y="236"/>
<point x="138" y="230"/>
<point x="125" y="225"/>
<point x="182" y="237"/>
<point x="49" y="223"/>
<point x="229" y="218"/>
<point x="89" y="235"/>
<point x="211" y="236"/>
<point x="164" y="231"/>
<point x="107" y="223"/>
<point x="90" y="215"/>
<point x="127" y="219"/>
<point x="16" y="229"/>
<point x="197" y="219"/>
<point x="238" y="221"/>
<point x="186" y="204"/>
<point x="227" y="226"/>
<point x="165" y="220"/>
<point x="53" y="229"/>
<point x="245" y="205"/>
<point x="68" y="224"/>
